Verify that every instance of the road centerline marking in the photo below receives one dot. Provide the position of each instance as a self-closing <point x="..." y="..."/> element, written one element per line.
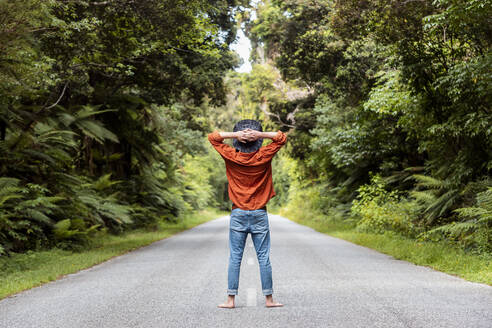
<point x="251" y="297"/>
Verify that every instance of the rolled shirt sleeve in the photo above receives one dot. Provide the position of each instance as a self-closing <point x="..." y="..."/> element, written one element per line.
<point x="270" y="150"/>
<point x="280" y="138"/>
<point x="215" y="137"/>
<point x="223" y="149"/>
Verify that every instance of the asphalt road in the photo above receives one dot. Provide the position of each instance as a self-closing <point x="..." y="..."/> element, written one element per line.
<point x="322" y="282"/>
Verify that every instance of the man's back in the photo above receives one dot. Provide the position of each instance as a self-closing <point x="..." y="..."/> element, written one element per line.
<point x="249" y="174"/>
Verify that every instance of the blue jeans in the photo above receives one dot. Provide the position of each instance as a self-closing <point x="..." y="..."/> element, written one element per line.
<point x="254" y="222"/>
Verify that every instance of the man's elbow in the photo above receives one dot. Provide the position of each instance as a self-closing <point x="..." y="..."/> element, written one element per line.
<point x="215" y="138"/>
<point x="282" y="139"/>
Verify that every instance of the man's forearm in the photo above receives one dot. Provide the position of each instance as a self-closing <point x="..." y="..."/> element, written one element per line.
<point x="267" y="135"/>
<point x="228" y="135"/>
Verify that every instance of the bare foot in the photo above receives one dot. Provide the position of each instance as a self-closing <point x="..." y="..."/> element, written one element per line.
<point x="270" y="303"/>
<point x="226" y="305"/>
<point x="229" y="304"/>
<point x="273" y="304"/>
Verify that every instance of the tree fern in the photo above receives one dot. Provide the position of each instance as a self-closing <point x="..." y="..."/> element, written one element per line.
<point x="476" y="229"/>
<point x="9" y="190"/>
<point x="72" y="233"/>
<point x="25" y="211"/>
<point x="437" y="199"/>
<point x="84" y="120"/>
<point x="102" y="207"/>
<point x="104" y="182"/>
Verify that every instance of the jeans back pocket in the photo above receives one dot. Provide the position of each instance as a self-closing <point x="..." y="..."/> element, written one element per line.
<point x="259" y="221"/>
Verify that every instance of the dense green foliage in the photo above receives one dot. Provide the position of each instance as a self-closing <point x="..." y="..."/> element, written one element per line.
<point x="395" y="131"/>
<point x="99" y="103"/>
<point x="104" y="106"/>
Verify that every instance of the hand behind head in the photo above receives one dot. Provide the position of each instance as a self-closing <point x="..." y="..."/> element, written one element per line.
<point x="251" y="135"/>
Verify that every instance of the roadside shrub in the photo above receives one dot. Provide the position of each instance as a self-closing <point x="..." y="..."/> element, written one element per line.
<point x="304" y="202"/>
<point x="379" y="210"/>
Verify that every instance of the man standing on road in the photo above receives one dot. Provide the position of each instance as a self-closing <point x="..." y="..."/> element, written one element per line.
<point x="249" y="172"/>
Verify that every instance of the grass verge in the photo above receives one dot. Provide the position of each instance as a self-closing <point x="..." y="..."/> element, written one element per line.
<point x="24" y="271"/>
<point x="440" y="256"/>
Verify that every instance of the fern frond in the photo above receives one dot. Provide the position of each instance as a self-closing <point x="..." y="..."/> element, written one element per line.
<point x="96" y="130"/>
<point x="9" y="190"/>
<point x="484" y="199"/>
<point x="10" y="193"/>
<point x="486" y="220"/>
<point x="441" y="205"/>
<point x="68" y="179"/>
<point x="38" y="216"/>
<point x="429" y="182"/>
<point x="471" y="212"/>
<point x="66" y="118"/>
<point x="104" y="182"/>
<point x="455" y="229"/>
<point x="55" y="135"/>
<point x="8" y="182"/>
<point x="116" y="212"/>
<point x="40" y="201"/>
<point x="426" y="197"/>
<point x="89" y="111"/>
<point x="59" y="154"/>
<point x="40" y="155"/>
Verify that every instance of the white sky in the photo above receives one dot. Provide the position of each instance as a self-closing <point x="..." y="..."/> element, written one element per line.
<point x="243" y="47"/>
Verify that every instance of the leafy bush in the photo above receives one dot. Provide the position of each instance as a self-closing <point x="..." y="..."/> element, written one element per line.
<point x="380" y="210"/>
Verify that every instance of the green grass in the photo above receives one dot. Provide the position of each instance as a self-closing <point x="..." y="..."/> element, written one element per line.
<point x="440" y="256"/>
<point x="27" y="270"/>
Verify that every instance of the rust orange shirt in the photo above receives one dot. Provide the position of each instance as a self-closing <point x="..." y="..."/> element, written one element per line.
<point x="249" y="174"/>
